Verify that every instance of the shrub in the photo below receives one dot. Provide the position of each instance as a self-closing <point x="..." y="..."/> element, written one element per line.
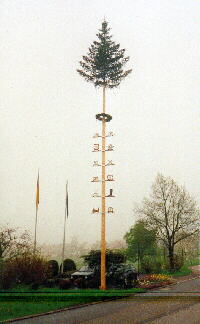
<point x="157" y="266"/>
<point x="69" y="265"/>
<point x="35" y="285"/>
<point x="93" y="283"/>
<point x="80" y="283"/>
<point x="178" y="263"/>
<point x="113" y="257"/>
<point x="7" y="277"/>
<point x="150" y="264"/>
<point x="27" y="269"/>
<point x="147" y="264"/>
<point x="53" y="268"/>
<point x="65" y="284"/>
<point x="50" y="283"/>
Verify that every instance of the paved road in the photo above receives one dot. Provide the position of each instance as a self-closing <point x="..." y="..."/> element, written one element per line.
<point x="145" y="309"/>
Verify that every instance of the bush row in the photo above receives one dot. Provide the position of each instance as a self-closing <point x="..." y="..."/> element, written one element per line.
<point x="31" y="269"/>
<point x="152" y="264"/>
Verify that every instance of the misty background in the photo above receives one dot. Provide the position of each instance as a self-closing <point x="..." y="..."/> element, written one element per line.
<point x="48" y="111"/>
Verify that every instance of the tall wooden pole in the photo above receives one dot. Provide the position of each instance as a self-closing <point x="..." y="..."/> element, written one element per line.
<point x="103" y="199"/>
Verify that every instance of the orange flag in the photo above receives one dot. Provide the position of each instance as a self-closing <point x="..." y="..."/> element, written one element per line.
<point x="38" y="192"/>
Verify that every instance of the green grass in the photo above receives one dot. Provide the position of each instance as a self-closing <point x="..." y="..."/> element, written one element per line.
<point x="184" y="271"/>
<point x="21" y="301"/>
<point x="193" y="262"/>
<point x="54" y="291"/>
<point x="13" y="309"/>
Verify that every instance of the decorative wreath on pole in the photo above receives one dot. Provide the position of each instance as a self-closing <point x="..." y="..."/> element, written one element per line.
<point x="104" y="116"/>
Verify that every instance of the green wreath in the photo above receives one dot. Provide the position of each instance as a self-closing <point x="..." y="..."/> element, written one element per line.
<point x="104" y="116"/>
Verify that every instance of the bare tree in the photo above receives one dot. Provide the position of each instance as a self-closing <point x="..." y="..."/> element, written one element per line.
<point x="172" y="212"/>
<point x="13" y="243"/>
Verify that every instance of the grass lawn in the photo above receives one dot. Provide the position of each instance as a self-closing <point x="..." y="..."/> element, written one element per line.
<point x="21" y="301"/>
<point x="13" y="309"/>
<point x="184" y="271"/>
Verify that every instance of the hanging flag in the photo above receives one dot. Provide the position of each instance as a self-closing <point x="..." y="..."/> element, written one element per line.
<point x="67" y="199"/>
<point x="38" y="192"/>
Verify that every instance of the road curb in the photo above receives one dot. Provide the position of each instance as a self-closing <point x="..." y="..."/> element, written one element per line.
<point x="59" y="310"/>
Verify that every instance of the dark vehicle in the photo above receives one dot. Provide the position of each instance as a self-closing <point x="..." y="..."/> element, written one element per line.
<point x="119" y="275"/>
<point x="122" y="276"/>
<point x="85" y="278"/>
<point x="84" y="272"/>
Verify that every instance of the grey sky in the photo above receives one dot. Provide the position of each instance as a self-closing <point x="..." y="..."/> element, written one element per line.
<point x="47" y="110"/>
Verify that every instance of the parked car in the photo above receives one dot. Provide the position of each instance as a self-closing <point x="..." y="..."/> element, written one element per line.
<point x="85" y="278"/>
<point x="119" y="275"/>
<point x="122" y="275"/>
<point x="84" y="272"/>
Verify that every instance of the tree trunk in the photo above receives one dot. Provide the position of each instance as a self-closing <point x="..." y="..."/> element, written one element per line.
<point x="171" y="258"/>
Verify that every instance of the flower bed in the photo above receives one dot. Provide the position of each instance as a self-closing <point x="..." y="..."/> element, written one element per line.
<point x="154" y="281"/>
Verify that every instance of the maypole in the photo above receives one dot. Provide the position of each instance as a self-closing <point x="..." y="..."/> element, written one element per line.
<point x="103" y="66"/>
<point x="103" y="117"/>
<point x="103" y="198"/>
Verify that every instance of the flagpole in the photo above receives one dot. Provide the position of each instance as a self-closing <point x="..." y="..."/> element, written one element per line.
<point x="36" y="213"/>
<point x="35" y="229"/>
<point x="66" y="214"/>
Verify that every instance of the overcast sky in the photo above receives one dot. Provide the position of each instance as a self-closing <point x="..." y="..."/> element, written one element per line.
<point x="47" y="117"/>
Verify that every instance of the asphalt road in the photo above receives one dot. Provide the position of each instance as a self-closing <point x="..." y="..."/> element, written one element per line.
<point x="177" y="304"/>
<point x="151" y="308"/>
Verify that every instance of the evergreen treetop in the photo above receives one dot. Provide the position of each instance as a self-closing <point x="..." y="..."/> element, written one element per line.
<point x="103" y="65"/>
